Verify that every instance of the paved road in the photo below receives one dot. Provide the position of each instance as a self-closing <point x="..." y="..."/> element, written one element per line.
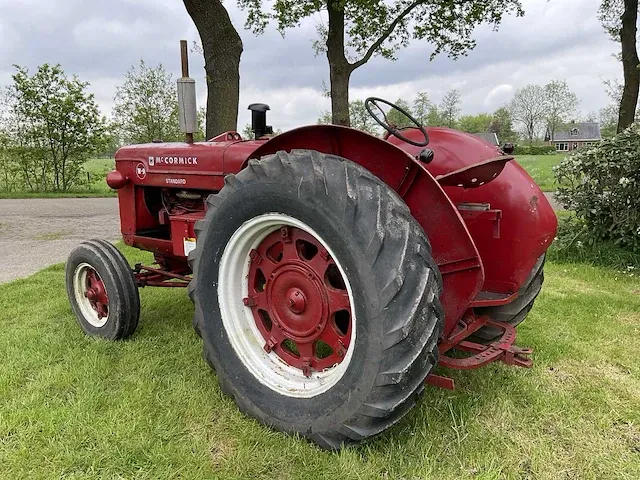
<point x="36" y="233"/>
<point x="552" y="201"/>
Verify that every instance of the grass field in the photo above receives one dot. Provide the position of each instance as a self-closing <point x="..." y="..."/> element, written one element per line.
<point x="540" y="167"/>
<point x="149" y="408"/>
<point x="96" y="168"/>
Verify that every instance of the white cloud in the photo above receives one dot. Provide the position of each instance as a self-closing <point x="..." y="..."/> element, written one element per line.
<point x="100" y="40"/>
<point x="495" y="98"/>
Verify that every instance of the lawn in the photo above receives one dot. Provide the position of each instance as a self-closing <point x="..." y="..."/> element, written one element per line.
<point x="96" y="170"/>
<point x="73" y="407"/>
<point x="540" y="167"/>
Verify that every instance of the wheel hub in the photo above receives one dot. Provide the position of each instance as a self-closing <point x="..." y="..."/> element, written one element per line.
<point x="299" y="300"/>
<point x="296" y="300"/>
<point x="96" y="293"/>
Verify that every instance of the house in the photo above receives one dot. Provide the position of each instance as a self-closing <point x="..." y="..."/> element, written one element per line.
<point x="491" y="138"/>
<point x="573" y="135"/>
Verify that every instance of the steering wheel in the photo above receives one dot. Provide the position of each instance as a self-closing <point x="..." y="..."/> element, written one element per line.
<point x="391" y="128"/>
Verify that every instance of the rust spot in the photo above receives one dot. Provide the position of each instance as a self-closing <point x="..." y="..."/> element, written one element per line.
<point x="534" y="203"/>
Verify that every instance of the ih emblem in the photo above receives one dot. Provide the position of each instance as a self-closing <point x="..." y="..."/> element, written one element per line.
<point x="141" y="171"/>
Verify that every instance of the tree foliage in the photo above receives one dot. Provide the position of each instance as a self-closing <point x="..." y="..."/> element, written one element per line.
<point x="396" y="118"/>
<point x="359" y="117"/>
<point x="358" y="30"/>
<point x="146" y="105"/>
<point x="479" y="123"/>
<point x="610" y="15"/>
<point x="502" y="125"/>
<point x="425" y="111"/>
<point x="50" y="126"/>
<point x="450" y="108"/>
<point x="528" y="108"/>
<point x="560" y="105"/>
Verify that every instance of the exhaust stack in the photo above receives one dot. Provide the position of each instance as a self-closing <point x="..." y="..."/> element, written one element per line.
<point x="187" y="107"/>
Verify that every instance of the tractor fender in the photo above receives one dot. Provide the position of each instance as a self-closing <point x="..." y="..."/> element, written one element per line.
<point x="528" y="223"/>
<point x="453" y="248"/>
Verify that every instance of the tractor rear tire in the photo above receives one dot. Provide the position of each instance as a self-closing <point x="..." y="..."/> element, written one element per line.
<point x="102" y="290"/>
<point x="316" y="214"/>
<point x="513" y="313"/>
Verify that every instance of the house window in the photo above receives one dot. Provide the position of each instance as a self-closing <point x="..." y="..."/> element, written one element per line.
<point x="562" y="147"/>
<point x="574" y="132"/>
<point x="575" y="146"/>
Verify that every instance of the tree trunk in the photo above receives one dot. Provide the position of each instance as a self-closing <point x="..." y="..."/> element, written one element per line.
<point x="222" y="48"/>
<point x="630" y="63"/>
<point x="339" y="67"/>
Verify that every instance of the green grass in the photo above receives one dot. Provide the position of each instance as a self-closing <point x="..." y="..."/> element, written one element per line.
<point x="96" y="186"/>
<point x="150" y="408"/>
<point x="540" y="168"/>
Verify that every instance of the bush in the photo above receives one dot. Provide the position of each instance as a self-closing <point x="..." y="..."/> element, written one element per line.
<point x="534" y="150"/>
<point x="602" y="185"/>
<point x="571" y="245"/>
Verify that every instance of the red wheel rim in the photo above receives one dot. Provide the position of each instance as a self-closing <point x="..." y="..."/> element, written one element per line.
<point x="96" y="293"/>
<point x="299" y="300"/>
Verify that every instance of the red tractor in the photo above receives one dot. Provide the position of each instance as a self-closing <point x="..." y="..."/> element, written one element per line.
<point x="331" y="270"/>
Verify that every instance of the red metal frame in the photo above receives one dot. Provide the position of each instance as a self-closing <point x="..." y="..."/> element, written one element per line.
<point x="157" y="277"/>
<point x="486" y="219"/>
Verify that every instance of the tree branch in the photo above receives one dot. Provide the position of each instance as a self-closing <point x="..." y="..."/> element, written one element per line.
<point x="385" y="35"/>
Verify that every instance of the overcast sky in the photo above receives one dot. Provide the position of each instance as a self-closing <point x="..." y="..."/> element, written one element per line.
<point x="100" y="39"/>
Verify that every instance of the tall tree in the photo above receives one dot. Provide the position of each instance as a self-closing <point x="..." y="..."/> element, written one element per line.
<point x="561" y="103"/>
<point x="424" y="110"/>
<point x="357" y="30"/>
<point x="630" y="65"/>
<point x="502" y="125"/>
<point x="146" y="105"/>
<point x="222" y="47"/>
<point x="528" y="107"/>
<point x="619" y="18"/>
<point x="450" y="108"/>
<point x="58" y="125"/>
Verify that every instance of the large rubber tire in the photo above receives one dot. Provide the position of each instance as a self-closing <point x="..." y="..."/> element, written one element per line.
<point x="513" y="313"/>
<point x="396" y="287"/>
<point x="120" y="285"/>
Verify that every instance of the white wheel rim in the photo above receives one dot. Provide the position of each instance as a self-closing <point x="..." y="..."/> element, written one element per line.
<point x="79" y="289"/>
<point x="239" y="323"/>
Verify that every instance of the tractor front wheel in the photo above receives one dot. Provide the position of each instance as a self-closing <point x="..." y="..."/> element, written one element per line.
<point x="102" y="290"/>
<point x="317" y="297"/>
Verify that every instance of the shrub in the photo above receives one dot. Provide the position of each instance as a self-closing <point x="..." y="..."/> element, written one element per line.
<point x="534" y="150"/>
<point x="571" y="245"/>
<point x="602" y="185"/>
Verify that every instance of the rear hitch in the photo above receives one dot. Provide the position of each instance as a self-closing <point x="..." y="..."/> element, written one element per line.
<point x="502" y="350"/>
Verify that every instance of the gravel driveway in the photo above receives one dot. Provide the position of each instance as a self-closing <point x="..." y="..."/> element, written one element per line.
<point x="36" y="233"/>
